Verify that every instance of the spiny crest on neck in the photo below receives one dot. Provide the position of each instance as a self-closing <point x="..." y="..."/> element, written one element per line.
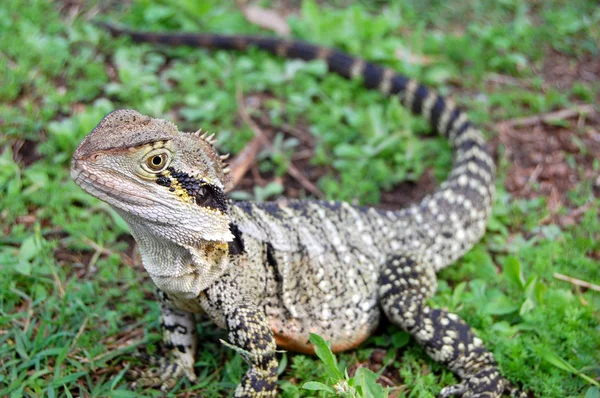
<point x="211" y="140"/>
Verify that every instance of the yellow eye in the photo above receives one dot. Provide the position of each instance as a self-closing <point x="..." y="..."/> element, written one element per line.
<point x="157" y="162"/>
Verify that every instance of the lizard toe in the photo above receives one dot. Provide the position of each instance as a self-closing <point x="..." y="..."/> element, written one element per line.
<point x="163" y="373"/>
<point x="478" y="386"/>
<point x="453" y="391"/>
<point x="513" y="391"/>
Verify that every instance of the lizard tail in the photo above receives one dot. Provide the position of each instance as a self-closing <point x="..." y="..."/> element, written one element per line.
<point x="459" y="208"/>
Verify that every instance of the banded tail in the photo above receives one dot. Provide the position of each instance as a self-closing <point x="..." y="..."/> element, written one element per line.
<point x="459" y="208"/>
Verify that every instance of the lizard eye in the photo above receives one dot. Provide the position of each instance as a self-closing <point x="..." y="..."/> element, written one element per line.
<point x="157" y="162"/>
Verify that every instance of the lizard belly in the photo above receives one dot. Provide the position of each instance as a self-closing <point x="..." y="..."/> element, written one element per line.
<point x="293" y="334"/>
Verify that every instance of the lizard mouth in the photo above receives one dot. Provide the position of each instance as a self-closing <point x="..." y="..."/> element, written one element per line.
<point x="102" y="187"/>
<point x="123" y="196"/>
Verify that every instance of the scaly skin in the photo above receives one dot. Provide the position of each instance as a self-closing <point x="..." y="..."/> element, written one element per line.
<point x="272" y="273"/>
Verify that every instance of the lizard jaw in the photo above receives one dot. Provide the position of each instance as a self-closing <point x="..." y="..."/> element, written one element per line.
<point x="99" y="187"/>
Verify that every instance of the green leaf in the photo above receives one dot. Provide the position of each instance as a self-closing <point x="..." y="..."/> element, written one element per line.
<point x="457" y="294"/>
<point x="592" y="392"/>
<point x="323" y="351"/>
<point x="527" y="306"/>
<point x="400" y="339"/>
<point x="68" y="378"/>
<point x="29" y="248"/>
<point x="366" y="379"/>
<point x="500" y="305"/>
<point x="316" y="386"/>
<point x="23" y="267"/>
<point x="512" y="270"/>
<point x="437" y="75"/>
<point x="556" y="361"/>
<point x="560" y="363"/>
<point x="535" y="290"/>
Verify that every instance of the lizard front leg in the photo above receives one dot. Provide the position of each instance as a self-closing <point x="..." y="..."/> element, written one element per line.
<point x="405" y="285"/>
<point x="249" y="333"/>
<point x="179" y="337"/>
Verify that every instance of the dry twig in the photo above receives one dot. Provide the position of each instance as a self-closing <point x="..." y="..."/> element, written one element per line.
<point x="577" y="282"/>
<point x="303" y="136"/>
<point x="242" y="162"/>
<point x="547" y="117"/>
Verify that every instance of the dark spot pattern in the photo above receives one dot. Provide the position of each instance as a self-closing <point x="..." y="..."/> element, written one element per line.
<point x="205" y="194"/>
<point x="405" y="286"/>
<point x="164" y="181"/>
<point x="236" y="247"/>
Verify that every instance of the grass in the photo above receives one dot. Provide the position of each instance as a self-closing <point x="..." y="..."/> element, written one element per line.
<point x="76" y="305"/>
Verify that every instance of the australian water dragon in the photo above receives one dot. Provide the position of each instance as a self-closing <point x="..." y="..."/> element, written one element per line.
<point x="272" y="273"/>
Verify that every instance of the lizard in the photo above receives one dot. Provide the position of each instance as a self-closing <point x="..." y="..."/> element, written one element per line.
<point x="272" y="273"/>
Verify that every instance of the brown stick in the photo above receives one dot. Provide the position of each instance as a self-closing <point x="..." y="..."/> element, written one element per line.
<point x="571" y="214"/>
<point x="242" y="162"/>
<point x="577" y="282"/>
<point x="303" y="136"/>
<point x="292" y="170"/>
<point x="548" y="118"/>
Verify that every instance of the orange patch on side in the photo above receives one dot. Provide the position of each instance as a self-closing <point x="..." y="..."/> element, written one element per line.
<point x="295" y="345"/>
<point x="300" y="343"/>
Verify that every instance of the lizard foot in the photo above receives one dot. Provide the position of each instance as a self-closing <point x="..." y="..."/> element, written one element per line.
<point x="163" y="373"/>
<point x="477" y="387"/>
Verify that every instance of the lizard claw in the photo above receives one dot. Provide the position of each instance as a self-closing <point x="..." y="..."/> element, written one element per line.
<point x="453" y="391"/>
<point x="482" y="385"/>
<point x="476" y="387"/>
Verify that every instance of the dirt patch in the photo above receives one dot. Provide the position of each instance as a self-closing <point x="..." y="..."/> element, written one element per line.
<point x="302" y="176"/>
<point x="549" y="160"/>
<point x="547" y="157"/>
<point x="551" y="154"/>
<point x="390" y="377"/>
<point x="25" y="152"/>
<point x="400" y="196"/>
<point x="408" y="192"/>
<point x="82" y="263"/>
<point x="563" y="71"/>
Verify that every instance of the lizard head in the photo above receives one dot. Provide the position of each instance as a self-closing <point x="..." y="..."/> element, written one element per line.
<point x="152" y="173"/>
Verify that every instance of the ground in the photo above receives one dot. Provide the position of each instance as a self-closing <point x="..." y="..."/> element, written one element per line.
<point x="77" y="308"/>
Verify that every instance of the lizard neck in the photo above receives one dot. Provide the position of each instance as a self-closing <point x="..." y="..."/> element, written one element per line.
<point x="179" y="267"/>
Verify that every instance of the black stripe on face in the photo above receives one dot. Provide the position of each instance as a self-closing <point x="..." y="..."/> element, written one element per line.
<point x="164" y="181"/>
<point x="213" y="197"/>
<point x="272" y="262"/>
<point x="205" y="195"/>
<point x="372" y="75"/>
<point x="419" y="97"/>
<point x="236" y="246"/>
